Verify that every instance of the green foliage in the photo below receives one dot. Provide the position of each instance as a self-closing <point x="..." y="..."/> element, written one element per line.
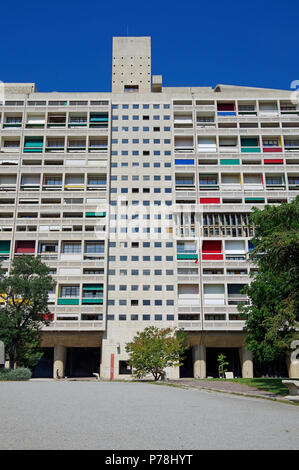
<point x="273" y="314"/>
<point x="221" y="359"/>
<point x="24" y="312"/>
<point x="20" y="373"/>
<point x="154" y="349"/>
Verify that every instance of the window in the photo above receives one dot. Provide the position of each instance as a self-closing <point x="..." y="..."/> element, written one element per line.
<point x="124" y="367"/>
<point x="94" y="247"/>
<point x="131" y="88"/>
<point x="71" y="247"/>
<point x="48" y="248"/>
<point x="69" y="291"/>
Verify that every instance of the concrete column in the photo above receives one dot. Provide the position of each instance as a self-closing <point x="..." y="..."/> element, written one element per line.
<point x="199" y="361"/>
<point x="246" y="363"/>
<point x="293" y="367"/>
<point x="59" y="361"/>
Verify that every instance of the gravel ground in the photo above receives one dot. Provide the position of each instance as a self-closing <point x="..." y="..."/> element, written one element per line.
<point x="117" y="416"/>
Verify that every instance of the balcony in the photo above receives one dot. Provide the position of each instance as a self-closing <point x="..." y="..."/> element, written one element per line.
<point x="247" y="110"/>
<point x="12" y="123"/>
<point x="76" y="146"/>
<point x="184" y="183"/>
<point x="275" y="182"/>
<point x="70" y="325"/>
<point x="208" y="183"/>
<point x="226" y="109"/>
<point x="186" y="253"/>
<point x="183" y="144"/>
<point x="250" y="145"/>
<point x="228" y="145"/>
<point x="291" y="145"/>
<point x="56" y="120"/>
<point x="33" y="144"/>
<point x="183" y="121"/>
<point x="293" y="183"/>
<point x="206" y="145"/>
<point x="77" y="120"/>
<point x="35" y="121"/>
<point x="67" y="301"/>
<point x="10" y="146"/>
<point x="98" y="146"/>
<point x="98" y="120"/>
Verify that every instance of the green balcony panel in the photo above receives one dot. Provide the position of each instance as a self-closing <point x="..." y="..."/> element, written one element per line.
<point x="33" y="144"/>
<point x="250" y="150"/>
<point x="5" y="247"/>
<point x="95" y="214"/>
<point x="92" y="301"/>
<point x="255" y="199"/>
<point x="68" y="302"/>
<point x="187" y="256"/>
<point x="98" y="119"/>
<point x="230" y="161"/>
<point x="93" y="287"/>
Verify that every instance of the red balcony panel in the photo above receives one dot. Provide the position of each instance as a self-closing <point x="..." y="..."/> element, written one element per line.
<point x="273" y="161"/>
<point x="212" y="257"/>
<point x="211" y="246"/>
<point x="225" y="106"/>
<point x="272" y="149"/>
<point x="210" y="200"/>
<point x="25" y="247"/>
<point x="48" y="316"/>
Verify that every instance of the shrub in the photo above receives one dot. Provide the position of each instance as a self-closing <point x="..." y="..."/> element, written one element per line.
<point x="20" y="373"/>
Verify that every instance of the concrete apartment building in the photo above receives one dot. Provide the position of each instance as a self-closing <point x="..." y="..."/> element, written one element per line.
<point x="138" y="201"/>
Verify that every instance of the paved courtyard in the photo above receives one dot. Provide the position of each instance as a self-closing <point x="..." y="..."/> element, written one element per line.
<point x="118" y="416"/>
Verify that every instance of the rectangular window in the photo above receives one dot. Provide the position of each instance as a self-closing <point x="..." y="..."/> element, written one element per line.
<point x="71" y="247"/>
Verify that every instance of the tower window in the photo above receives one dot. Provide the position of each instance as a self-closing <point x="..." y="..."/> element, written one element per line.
<point x="131" y="88"/>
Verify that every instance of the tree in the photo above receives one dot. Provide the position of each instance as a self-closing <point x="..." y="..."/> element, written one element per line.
<point x="222" y="363"/>
<point x="24" y="308"/>
<point x="273" y="312"/>
<point x="154" y="349"/>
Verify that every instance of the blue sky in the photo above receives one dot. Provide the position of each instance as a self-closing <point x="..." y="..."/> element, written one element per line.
<point x="67" y="45"/>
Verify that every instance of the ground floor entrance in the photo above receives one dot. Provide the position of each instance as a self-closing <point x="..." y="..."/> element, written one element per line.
<point x="44" y="367"/>
<point x="232" y="356"/>
<point x="70" y="354"/>
<point x="186" y="369"/>
<point x="82" y="362"/>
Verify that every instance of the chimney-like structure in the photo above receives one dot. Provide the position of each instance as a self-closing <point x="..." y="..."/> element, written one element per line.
<point x="131" y="65"/>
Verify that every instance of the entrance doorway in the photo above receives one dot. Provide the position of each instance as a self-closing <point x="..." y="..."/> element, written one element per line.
<point x="82" y="362"/>
<point x="186" y="370"/>
<point x="44" y="367"/>
<point x="232" y="357"/>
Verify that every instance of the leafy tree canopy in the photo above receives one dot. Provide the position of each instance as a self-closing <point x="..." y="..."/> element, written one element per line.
<point x="154" y="349"/>
<point x="273" y="314"/>
<point x="24" y="308"/>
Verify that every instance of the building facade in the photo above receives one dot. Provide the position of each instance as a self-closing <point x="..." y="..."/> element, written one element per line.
<point x="138" y="200"/>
